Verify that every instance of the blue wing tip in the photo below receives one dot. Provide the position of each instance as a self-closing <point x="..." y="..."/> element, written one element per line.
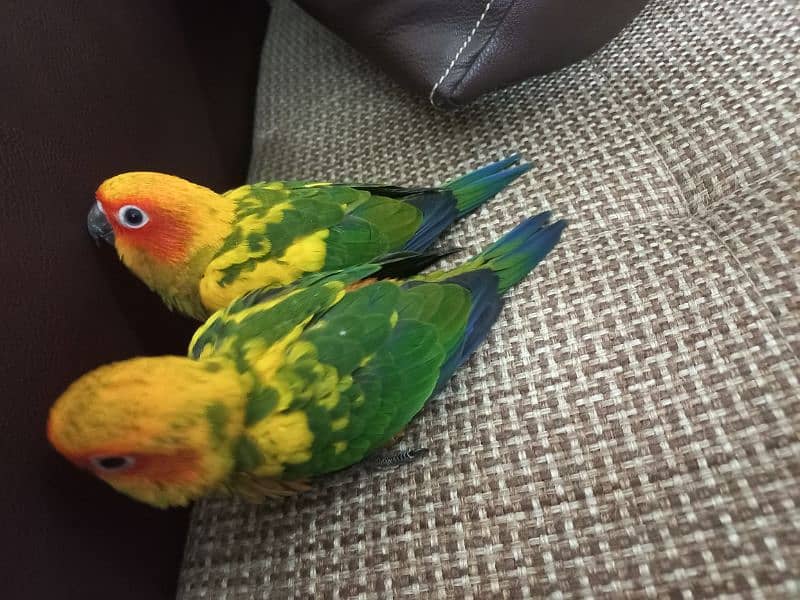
<point x="488" y="170"/>
<point x="533" y="232"/>
<point x="531" y="225"/>
<point x="513" y="162"/>
<point x="542" y="242"/>
<point x="518" y="169"/>
<point x="509" y="160"/>
<point x="552" y="231"/>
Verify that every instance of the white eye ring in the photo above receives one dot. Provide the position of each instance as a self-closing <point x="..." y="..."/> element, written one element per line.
<point x="132" y="217"/>
<point x="112" y="463"/>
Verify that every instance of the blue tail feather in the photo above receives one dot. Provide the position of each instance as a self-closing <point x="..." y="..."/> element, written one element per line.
<point x="477" y="187"/>
<point x="441" y="206"/>
<point x="515" y="255"/>
<point x="485" y="171"/>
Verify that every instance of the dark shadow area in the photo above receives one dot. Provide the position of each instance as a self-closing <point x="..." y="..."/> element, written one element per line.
<point x="90" y="89"/>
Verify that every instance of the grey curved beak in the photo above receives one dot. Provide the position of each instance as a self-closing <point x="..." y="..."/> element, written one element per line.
<point x="99" y="227"/>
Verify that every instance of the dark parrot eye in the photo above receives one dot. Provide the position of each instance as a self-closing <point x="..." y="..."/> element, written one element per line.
<point x="132" y="217"/>
<point x="113" y="463"/>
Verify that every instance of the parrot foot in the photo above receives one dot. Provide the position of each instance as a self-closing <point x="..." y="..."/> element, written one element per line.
<point x="391" y="459"/>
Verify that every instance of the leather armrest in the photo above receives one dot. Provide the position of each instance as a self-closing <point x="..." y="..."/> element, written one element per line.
<point x="452" y="51"/>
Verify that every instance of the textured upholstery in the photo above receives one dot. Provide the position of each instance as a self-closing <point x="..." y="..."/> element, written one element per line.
<point x="631" y="425"/>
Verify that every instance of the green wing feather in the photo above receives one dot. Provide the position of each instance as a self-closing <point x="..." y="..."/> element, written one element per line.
<point x="364" y="364"/>
<point x="376" y="227"/>
<point x="269" y="313"/>
<point x="270" y="216"/>
<point x="387" y="345"/>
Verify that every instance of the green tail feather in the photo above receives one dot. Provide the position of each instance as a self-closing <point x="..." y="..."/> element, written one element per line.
<point x="477" y="187"/>
<point x="514" y="255"/>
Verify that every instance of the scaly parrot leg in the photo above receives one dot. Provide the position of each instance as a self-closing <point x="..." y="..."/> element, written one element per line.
<point x="391" y="459"/>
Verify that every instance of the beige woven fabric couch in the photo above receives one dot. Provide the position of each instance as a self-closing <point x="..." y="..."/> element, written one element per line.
<point x="631" y="426"/>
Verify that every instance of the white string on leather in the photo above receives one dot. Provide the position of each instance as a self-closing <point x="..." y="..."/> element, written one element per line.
<point x="460" y="51"/>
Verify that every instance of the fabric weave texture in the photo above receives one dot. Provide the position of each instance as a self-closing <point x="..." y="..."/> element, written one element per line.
<point x="630" y="429"/>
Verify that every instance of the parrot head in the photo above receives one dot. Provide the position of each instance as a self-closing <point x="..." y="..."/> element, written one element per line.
<point x="161" y="430"/>
<point x="165" y="229"/>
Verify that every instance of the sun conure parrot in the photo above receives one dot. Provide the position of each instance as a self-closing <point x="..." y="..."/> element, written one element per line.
<point x="287" y="384"/>
<point x="199" y="250"/>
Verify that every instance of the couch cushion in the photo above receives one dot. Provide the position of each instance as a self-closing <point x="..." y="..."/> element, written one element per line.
<point x="630" y="426"/>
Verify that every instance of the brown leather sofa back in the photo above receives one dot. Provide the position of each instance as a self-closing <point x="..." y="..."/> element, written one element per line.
<point x="90" y="89"/>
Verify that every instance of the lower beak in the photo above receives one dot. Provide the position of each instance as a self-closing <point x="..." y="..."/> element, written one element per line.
<point x="99" y="227"/>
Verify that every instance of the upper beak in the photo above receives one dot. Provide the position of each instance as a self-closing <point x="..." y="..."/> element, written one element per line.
<point x="99" y="227"/>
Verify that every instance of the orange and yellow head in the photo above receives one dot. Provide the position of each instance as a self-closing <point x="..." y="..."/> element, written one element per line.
<point x="165" y="229"/>
<point x="161" y="430"/>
